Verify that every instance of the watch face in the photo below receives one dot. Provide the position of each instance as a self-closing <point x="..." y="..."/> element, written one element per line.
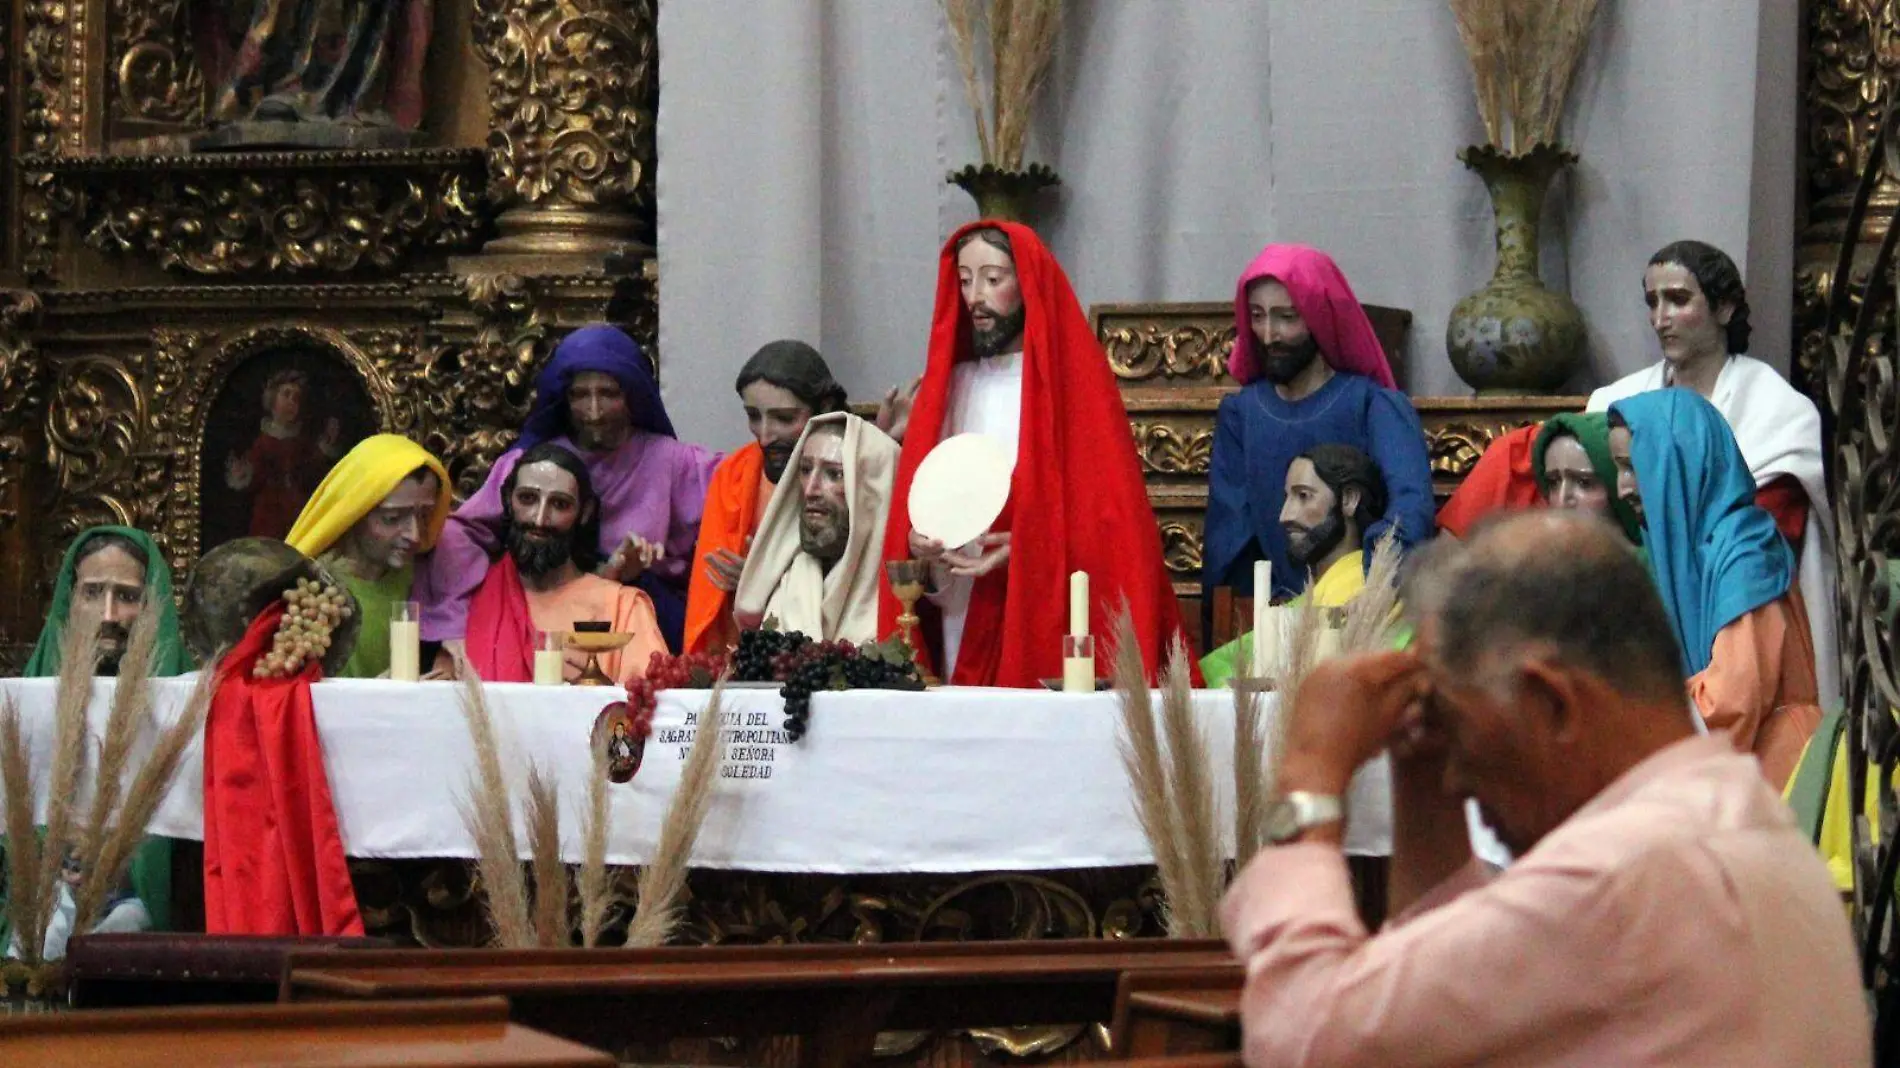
<point x="1283" y="821"/>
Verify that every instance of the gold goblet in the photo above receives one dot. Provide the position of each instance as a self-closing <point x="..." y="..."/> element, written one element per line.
<point x="594" y="643"/>
<point x="907" y="578"/>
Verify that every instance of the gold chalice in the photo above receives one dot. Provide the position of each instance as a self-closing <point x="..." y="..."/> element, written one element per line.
<point x="908" y="579"/>
<point x="595" y="639"/>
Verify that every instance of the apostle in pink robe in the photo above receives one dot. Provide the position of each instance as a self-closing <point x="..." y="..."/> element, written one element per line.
<point x="1662" y="909"/>
<point x="598" y="398"/>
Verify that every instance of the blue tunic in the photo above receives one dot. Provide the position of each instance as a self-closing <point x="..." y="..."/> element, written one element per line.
<point x="1256" y="436"/>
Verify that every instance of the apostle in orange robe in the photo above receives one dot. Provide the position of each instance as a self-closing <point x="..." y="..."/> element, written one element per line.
<point x="544" y="579"/>
<point x="782" y="386"/>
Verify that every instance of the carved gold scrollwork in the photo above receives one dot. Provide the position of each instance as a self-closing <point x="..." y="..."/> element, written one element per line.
<point x="22" y="389"/>
<point x="1170" y="450"/>
<point x="155" y="71"/>
<point x="333" y="213"/>
<point x="1854" y="48"/>
<point x="477" y="394"/>
<point x="1181" y="548"/>
<point x="1454" y="448"/>
<point x="572" y="90"/>
<point x="1156" y="349"/>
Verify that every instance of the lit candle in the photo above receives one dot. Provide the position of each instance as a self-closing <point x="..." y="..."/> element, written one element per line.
<point x="1079" y="603"/>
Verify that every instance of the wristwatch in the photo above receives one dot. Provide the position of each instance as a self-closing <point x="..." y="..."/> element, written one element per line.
<point x="1299" y="812"/>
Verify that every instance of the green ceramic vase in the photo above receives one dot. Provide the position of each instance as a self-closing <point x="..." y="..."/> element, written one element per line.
<point x="1516" y="336"/>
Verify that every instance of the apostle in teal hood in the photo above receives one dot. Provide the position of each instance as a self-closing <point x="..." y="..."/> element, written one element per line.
<point x="1725" y="572"/>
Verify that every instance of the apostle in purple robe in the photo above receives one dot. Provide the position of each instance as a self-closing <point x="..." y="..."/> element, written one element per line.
<point x="597" y="397"/>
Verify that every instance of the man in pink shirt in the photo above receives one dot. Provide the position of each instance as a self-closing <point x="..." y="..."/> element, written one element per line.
<point x="1662" y="911"/>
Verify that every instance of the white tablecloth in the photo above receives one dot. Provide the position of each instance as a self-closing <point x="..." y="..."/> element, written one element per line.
<point x="953" y="780"/>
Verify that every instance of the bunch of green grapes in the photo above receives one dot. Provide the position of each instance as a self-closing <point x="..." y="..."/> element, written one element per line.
<point x="312" y="610"/>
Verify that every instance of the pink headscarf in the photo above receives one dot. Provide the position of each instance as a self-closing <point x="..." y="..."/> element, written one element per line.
<point x="1325" y="300"/>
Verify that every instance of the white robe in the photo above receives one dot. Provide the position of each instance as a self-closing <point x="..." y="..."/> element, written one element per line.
<point x="1779" y="431"/>
<point x="986" y="397"/>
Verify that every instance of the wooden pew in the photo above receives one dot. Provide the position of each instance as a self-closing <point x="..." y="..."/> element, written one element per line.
<point x="162" y="969"/>
<point x="436" y="1034"/>
<point x="835" y="998"/>
<point x="1165" y="1011"/>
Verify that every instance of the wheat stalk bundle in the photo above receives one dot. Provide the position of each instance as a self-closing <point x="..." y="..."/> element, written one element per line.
<point x="1523" y="59"/>
<point x="657" y="906"/>
<point x="1022" y="39"/>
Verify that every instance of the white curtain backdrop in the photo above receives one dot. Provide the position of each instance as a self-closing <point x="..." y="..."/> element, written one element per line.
<point x="803" y="146"/>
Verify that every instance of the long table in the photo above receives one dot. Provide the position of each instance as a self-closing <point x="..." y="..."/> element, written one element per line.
<point x="949" y="780"/>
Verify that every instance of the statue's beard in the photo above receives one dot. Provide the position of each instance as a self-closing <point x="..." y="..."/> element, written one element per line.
<point x="1285" y="362"/>
<point x="822" y="537"/>
<point x="1309" y="545"/>
<point x="539" y="551"/>
<point x="1002" y="335"/>
<point x="113" y="638"/>
<point x="777" y="458"/>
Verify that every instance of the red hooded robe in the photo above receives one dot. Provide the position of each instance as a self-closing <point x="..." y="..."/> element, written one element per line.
<point x="1077" y="501"/>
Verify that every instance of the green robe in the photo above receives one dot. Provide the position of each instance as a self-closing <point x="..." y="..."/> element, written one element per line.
<point x="152" y="864"/>
<point x="375" y="600"/>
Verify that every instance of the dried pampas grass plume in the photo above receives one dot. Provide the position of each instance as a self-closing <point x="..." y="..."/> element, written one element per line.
<point x="131" y="708"/>
<point x="23" y="843"/>
<point x="544" y="851"/>
<point x="596" y="882"/>
<point x="105" y="867"/>
<point x="1172" y="785"/>
<point x="78" y="658"/>
<point x="1022" y="39"/>
<point x="1523" y="60"/>
<point x="657" y="907"/>
<point x="488" y="813"/>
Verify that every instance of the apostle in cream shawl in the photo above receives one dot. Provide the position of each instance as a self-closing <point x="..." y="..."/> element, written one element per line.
<point x="816" y="561"/>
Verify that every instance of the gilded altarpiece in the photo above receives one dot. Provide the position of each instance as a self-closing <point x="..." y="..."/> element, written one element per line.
<point x="436" y="278"/>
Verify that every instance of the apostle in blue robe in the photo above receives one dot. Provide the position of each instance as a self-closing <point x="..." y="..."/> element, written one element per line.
<point x="1311" y="372"/>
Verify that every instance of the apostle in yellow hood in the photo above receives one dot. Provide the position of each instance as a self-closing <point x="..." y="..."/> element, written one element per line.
<point x="380" y="507"/>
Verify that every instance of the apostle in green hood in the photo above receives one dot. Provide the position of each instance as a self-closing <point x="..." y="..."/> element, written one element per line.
<point x="1571" y="462"/>
<point x="109" y="576"/>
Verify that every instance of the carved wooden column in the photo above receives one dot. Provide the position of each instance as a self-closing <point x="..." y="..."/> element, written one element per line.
<point x="1852" y="51"/>
<point x="573" y="90"/>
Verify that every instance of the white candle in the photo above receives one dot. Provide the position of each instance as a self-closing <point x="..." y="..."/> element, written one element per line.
<point x="1079" y="603"/>
<point x="405" y="641"/>
<point x="1262" y="611"/>
<point x="549" y="667"/>
<point x="1078" y="674"/>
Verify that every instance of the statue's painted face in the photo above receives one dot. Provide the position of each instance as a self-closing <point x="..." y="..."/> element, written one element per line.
<point x="1286" y="344"/>
<point x="825" y="523"/>
<point x="389" y="537"/>
<point x="1680" y="315"/>
<point x="286" y="404"/>
<point x="776" y="417"/>
<point x="1312" y="516"/>
<point x="1626" y="489"/>
<point x="597" y="408"/>
<point x="993" y="297"/>
<point x="1570" y="481"/>
<point x="109" y="588"/>
<point x="544" y="508"/>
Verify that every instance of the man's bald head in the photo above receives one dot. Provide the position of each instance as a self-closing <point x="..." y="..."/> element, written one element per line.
<point x="1553" y="666"/>
<point x="1565" y="580"/>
